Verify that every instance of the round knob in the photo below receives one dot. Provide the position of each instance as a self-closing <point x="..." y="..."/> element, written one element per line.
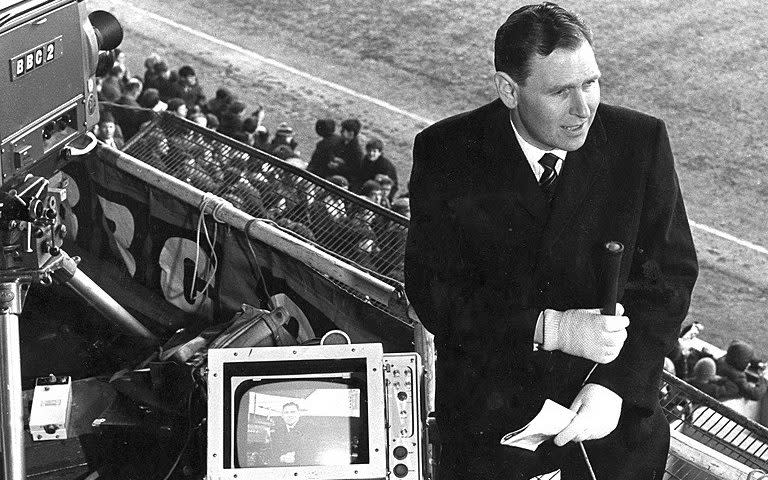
<point x="400" y="470"/>
<point x="400" y="452"/>
<point x="402" y="396"/>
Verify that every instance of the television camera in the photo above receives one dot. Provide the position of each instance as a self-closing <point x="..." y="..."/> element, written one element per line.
<point x="53" y="49"/>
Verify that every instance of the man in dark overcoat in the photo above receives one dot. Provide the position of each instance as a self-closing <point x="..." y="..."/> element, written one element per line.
<point x="511" y="206"/>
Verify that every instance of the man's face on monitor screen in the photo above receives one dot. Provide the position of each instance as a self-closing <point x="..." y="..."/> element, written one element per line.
<point x="290" y="415"/>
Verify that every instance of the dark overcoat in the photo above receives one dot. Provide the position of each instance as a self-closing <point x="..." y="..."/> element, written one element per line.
<point x="486" y="254"/>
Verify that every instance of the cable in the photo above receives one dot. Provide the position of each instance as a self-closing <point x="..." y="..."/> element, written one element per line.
<point x="586" y="460"/>
<point x="201" y="225"/>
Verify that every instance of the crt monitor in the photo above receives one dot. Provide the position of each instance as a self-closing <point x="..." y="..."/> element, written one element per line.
<point x="297" y="412"/>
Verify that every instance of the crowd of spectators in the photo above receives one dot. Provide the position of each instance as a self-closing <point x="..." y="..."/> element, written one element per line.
<point x="342" y="158"/>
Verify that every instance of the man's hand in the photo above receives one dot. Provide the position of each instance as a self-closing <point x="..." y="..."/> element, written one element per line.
<point x="586" y="333"/>
<point x="597" y="414"/>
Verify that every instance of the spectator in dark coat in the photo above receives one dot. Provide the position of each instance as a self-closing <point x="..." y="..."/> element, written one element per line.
<point x="110" y="87"/>
<point x="231" y="121"/>
<point x="132" y="116"/>
<point x="733" y="365"/>
<point x="375" y="163"/>
<point x="149" y="73"/>
<point x="325" y="148"/>
<point x="163" y="81"/>
<point x="705" y="379"/>
<point x="187" y="88"/>
<point x="351" y="153"/>
<point x="220" y="103"/>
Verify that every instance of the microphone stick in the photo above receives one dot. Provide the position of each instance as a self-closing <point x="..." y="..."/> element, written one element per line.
<point x="609" y="276"/>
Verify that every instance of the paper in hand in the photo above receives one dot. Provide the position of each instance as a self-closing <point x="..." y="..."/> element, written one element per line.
<point x="550" y="421"/>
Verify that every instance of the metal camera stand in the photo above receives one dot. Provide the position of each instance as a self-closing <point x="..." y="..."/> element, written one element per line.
<point x="31" y="234"/>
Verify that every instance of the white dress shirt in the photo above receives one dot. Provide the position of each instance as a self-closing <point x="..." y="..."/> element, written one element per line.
<point x="533" y="154"/>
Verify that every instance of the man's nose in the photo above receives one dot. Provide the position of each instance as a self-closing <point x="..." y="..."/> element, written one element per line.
<point x="579" y="104"/>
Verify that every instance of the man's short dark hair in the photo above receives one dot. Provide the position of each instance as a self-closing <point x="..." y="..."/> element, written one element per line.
<point x="375" y="144"/>
<point x="325" y="127"/>
<point x="186" y="71"/>
<point x="369" y="187"/>
<point x="536" y="29"/>
<point x="288" y="404"/>
<point x="351" y="125"/>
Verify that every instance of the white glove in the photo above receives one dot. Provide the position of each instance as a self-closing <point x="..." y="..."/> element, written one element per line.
<point x="586" y="333"/>
<point x="597" y="414"/>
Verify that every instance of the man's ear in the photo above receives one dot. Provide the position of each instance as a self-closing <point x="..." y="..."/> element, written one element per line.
<point x="507" y="89"/>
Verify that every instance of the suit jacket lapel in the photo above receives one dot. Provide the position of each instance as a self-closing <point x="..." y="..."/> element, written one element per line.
<point x="506" y="158"/>
<point x="580" y="170"/>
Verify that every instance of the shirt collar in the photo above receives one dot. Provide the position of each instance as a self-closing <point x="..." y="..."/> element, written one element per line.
<point x="533" y="154"/>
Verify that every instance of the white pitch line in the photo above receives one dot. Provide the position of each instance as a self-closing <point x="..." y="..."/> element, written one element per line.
<point x="282" y="66"/>
<point x="729" y="237"/>
<point x="381" y="103"/>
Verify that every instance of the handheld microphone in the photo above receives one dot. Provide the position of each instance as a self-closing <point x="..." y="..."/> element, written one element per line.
<point x="609" y="276"/>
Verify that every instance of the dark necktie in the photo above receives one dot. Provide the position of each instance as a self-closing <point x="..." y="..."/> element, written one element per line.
<point x="549" y="177"/>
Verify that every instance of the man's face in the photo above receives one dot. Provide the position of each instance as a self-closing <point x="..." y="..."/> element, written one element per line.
<point x="190" y="80"/>
<point x="347" y="135"/>
<point x="290" y="415"/>
<point x="374" y="154"/>
<point x="108" y="129"/>
<point x="375" y="196"/>
<point x="557" y="104"/>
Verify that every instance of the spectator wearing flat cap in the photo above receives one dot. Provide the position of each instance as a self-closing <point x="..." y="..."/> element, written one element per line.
<point x="187" y="87"/>
<point x="733" y="365"/>
<point x="325" y="148"/>
<point x="284" y="136"/>
<point x="375" y="163"/>
<point x="351" y="153"/>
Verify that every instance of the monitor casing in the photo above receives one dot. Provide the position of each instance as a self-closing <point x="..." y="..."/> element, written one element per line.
<point x="220" y="459"/>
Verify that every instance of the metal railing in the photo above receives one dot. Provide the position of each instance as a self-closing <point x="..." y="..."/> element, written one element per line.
<point x="350" y="226"/>
<point x="713" y="424"/>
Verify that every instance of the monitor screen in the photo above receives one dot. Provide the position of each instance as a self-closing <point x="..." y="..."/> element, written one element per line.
<point x="297" y="412"/>
<point x="303" y="419"/>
